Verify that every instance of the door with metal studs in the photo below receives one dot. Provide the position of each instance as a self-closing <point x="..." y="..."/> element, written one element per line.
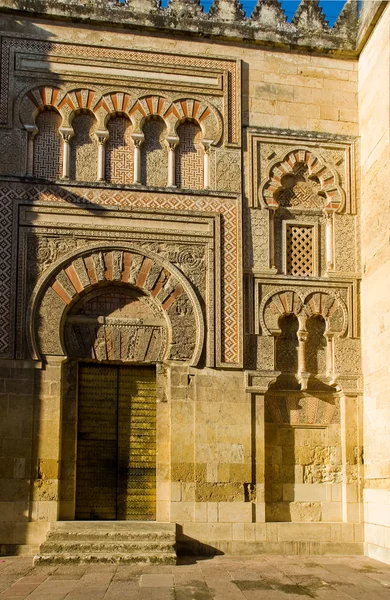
<point x="116" y="443"/>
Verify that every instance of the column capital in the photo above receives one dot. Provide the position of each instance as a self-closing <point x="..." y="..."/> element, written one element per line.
<point x="102" y="136"/>
<point x="172" y="141"/>
<point x="206" y="145"/>
<point x="66" y="133"/>
<point x="138" y="139"/>
<point x="32" y="130"/>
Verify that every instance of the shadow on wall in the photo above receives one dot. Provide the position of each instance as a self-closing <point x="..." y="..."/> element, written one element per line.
<point x="188" y="546"/>
<point x="29" y="460"/>
<point x="302" y="431"/>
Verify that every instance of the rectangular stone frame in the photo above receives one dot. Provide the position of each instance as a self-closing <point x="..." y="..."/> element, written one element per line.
<point x="118" y="226"/>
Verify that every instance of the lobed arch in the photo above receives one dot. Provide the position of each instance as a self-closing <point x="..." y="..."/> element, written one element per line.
<point x="103" y="106"/>
<point x="289" y="301"/>
<point x="287" y="164"/>
<point x="88" y="269"/>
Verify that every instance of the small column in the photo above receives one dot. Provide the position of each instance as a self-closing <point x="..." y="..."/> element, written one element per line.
<point x="32" y="131"/>
<point x="138" y="139"/>
<point x="329" y="356"/>
<point x="272" y="266"/>
<point x="67" y="135"/>
<point x="302" y="374"/>
<point x="172" y="143"/>
<point x="102" y="137"/>
<point x="329" y="240"/>
<point x="206" y="164"/>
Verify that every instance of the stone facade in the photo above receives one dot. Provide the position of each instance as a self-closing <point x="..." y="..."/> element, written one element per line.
<point x="203" y="205"/>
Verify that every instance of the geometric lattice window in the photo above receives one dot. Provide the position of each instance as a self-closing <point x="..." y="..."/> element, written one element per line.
<point x="300" y="255"/>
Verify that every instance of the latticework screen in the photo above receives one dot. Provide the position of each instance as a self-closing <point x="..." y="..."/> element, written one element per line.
<point x="300" y="255"/>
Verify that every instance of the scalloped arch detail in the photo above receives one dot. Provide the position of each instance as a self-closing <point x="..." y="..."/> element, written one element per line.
<point x="138" y="109"/>
<point x="327" y="177"/>
<point x="288" y="301"/>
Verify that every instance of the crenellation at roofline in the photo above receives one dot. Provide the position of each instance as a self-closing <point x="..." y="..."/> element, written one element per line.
<point x="226" y="20"/>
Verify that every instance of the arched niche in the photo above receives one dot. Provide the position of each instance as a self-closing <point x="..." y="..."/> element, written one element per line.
<point x="296" y="165"/>
<point x="152" y="287"/>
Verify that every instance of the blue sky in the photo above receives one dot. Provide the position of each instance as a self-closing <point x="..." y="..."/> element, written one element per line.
<point x="331" y="8"/>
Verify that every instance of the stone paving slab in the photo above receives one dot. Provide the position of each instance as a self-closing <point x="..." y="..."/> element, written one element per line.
<point x="219" y="578"/>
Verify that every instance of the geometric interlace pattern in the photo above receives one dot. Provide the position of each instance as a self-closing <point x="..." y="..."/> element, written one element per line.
<point x="48" y="146"/>
<point x="119" y="151"/>
<point x="300" y="250"/>
<point x="189" y="158"/>
<point x="5" y="267"/>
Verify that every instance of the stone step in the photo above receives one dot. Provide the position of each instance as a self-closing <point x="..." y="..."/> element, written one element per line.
<point x="112" y="526"/>
<point x="163" y="558"/>
<point x="110" y="542"/>
<point x="105" y="535"/>
<point x="87" y="547"/>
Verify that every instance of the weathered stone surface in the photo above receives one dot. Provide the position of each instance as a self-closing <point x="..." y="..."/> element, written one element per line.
<point x="178" y="200"/>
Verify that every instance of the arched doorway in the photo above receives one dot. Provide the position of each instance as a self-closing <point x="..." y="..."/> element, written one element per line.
<point x="114" y="318"/>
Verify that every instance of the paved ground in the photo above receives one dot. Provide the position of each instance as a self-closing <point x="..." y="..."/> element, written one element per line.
<point x="218" y="578"/>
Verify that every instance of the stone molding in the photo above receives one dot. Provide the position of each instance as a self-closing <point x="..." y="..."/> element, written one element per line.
<point x="225" y="19"/>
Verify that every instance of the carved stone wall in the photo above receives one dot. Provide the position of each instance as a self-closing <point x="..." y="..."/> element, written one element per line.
<point x="139" y="257"/>
<point x="83" y="157"/>
<point x="155" y="154"/>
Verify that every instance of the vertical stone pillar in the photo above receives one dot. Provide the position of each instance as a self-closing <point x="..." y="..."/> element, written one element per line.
<point x="47" y="440"/>
<point x="32" y="131"/>
<point x="163" y="427"/>
<point x="182" y="445"/>
<point x="102" y="137"/>
<point x="329" y="240"/>
<point x="329" y="355"/>
<point x="351" y="451"/>
<point x="206" y="164"/>
<point x="138" y="139"/>
<point x="258" y="425"/>
<point x="272" y="239"/>
<point x="67" y="135"/>
<point x="172" y="143"/>
<point x="302" y="374"/>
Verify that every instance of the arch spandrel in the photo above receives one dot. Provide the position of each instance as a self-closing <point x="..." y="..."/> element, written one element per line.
<point x="159" y="283"/>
